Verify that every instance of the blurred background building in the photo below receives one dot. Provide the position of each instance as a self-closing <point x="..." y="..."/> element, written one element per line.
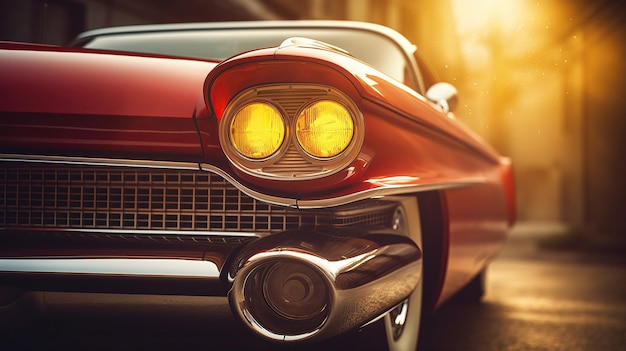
<point x="542" y="81"/>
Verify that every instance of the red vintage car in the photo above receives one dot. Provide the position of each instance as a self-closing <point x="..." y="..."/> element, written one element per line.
<point x="310" y="173"/>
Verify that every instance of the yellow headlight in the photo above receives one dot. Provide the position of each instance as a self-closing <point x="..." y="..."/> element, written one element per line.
<point x="257" y="130"/>
<point x="324" y="129"/>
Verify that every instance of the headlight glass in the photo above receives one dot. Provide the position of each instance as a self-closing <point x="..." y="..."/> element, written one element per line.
<point x="257" y="130"/>
<point x="324" y="129"/>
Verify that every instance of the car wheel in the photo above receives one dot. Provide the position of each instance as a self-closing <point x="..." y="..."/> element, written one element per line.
<point x="402" y="324"/>
<point x="398" y="329"/>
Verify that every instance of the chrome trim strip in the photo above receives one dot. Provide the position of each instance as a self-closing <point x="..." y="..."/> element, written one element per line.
<point x="89" y="161"/>
<point x="382" y="192"/>
<point x="275" y="200"/>
<point x="345" y="199"/>
<point x="150" y="267"/>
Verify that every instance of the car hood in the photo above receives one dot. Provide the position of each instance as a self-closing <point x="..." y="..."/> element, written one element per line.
<point x="79" y="102"/>
<point x="50" y="79"/>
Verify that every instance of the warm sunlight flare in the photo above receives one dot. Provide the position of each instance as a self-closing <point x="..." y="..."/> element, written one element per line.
<point x="478" y="15"/>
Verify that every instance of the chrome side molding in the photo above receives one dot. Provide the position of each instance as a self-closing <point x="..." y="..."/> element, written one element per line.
<point x="155" y="267"/>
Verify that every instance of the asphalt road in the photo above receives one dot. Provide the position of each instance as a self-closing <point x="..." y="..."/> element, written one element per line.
<point x="537" y="300"/>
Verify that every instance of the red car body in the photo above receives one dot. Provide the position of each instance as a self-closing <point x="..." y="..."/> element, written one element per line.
<point x="86" y="113"/>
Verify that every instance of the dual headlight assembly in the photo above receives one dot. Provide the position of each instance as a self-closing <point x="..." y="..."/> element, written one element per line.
<point x="291" y="131"/>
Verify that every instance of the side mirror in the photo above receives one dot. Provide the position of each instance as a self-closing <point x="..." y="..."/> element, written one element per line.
<point x="444" y="95"/>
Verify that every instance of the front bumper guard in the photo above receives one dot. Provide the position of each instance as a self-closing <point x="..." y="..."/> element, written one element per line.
<point x="358" y="277"/>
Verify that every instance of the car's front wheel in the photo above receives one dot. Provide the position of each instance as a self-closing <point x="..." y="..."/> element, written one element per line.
<point x="402" y="324"/>
<point x="398" y="329"/>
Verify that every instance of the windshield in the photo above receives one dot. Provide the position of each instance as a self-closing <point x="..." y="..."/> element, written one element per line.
<point x="219" y="44"/>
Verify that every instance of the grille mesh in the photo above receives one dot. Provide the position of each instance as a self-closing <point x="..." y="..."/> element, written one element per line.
<point x="150" y="199"/>
<point x="112" y="198"/>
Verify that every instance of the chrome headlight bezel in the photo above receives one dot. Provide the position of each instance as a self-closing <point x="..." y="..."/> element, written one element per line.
<point x="291" y="161"/>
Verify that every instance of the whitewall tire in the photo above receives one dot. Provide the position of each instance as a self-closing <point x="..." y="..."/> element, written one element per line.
<point x="402" y="324"/>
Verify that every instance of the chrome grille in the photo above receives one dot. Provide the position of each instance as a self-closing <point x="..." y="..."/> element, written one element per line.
<point x="150" y="199"/>
<point x="57" y="197"/>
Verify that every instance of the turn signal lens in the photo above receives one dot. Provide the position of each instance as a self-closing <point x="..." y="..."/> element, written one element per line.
<point x="324" y="129"/>
<point x="257" y="130"/>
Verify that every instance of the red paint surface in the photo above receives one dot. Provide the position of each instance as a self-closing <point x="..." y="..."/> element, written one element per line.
<point x="56" y="100"/>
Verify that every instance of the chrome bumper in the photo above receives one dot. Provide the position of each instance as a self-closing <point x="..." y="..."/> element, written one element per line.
<point x="361" y="276"/>
<point x="113" y="275"/>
